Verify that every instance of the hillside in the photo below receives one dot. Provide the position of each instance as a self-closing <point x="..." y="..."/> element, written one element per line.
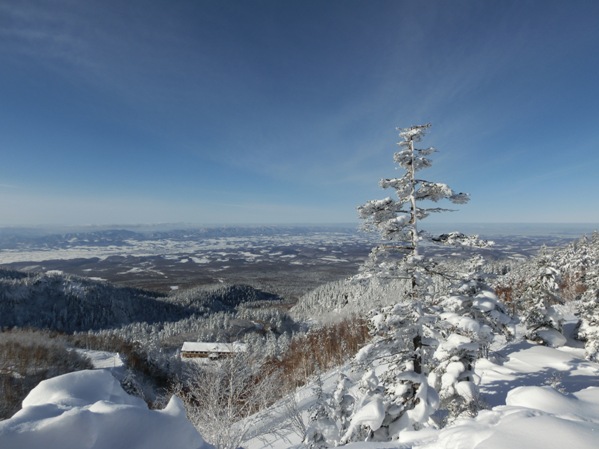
<point x="488" y="371"/>
<point x="536" y="398"/>
<point x="73" y="304"/>
<point x="486" y="353"/>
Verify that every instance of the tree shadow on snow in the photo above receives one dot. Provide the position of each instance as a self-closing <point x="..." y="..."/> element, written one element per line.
<point x="521" y="365"/>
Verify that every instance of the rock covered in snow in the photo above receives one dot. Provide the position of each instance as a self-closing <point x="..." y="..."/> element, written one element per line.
<point x="551" y="337"/>
<point x="533" y="417"/>
<point x="90" y="410"/>
<point x="371" y="414"/>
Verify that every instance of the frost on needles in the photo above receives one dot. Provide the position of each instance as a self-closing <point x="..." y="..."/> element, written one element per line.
<point x="396" y="220"/>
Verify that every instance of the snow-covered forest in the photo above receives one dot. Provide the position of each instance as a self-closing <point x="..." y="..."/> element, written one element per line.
<point x="412" y="352"/>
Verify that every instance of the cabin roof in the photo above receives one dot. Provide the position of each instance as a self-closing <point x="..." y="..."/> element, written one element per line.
<point x="197" y="346"/>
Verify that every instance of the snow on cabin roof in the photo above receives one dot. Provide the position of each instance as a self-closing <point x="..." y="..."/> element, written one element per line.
<point x="196" y="346"/>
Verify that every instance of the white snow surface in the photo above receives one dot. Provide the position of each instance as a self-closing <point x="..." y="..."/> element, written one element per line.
<point x="89" y="410"/>
<point x="371" y="414"/>
<point x="104" y="359"/>
<point x="534" y="417"/>
<point x="539" y="397"/>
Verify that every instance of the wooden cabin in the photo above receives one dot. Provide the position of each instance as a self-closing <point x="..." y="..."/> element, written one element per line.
<point x="204" y="350"/>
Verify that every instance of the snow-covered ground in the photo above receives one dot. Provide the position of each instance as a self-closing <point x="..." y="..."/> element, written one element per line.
<point x="89" y="410"/>
<point x="104" y="359"/>
<point x="538" y="398"/>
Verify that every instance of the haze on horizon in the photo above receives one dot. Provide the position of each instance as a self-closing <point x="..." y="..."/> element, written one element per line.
<point x="285" y="112"/>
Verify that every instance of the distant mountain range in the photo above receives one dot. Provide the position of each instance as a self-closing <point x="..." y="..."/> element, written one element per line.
<point x="15" y="238"/>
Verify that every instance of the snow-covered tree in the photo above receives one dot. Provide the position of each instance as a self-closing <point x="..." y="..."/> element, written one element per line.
<point x="415" y="337"/>
<point x="322" y="427"/>
<point x="542" y="319"/>
<point x="470" y="319"/>
<point x="549" y="288"/>
<point x="586" y="269"/>
<point x="589" y="325"/>
<point x="396" y="220"/>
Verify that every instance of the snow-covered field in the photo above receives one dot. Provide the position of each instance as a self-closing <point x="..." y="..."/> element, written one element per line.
<point x="200" y="257"/>
<point x="204" y="249"/>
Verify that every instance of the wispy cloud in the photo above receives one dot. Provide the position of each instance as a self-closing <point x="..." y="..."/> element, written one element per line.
<point x="52" y="33"/>
<point x="124" y="49"/>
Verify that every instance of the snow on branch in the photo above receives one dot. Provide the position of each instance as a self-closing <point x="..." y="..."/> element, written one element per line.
<point x="436" y="191"/>
<point x="460" y="239"/>
<point x="413" y="133"/>
<point x="408" y="157"/>
<point x="380" y="210"/>
<point x="401" y="185"/>
<point x="397" y="219"/>
<point x="422" y="212"/>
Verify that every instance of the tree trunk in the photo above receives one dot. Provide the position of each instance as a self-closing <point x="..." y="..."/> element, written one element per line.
<point x="413" y="219"/>
<point x="417" y="341"/>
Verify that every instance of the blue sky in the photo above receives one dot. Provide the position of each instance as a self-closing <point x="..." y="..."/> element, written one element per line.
<point x="247" y="111"/>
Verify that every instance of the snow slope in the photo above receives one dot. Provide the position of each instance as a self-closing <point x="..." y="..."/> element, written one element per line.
<point x="543" y="398"/>
<point x="533" y="418"/>
<point x="538" y="398"/>
<point x="104" y="359"/>
<point x="90" y="410"/>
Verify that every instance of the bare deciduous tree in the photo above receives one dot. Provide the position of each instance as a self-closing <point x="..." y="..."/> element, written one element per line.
<point x="222" y="399"/>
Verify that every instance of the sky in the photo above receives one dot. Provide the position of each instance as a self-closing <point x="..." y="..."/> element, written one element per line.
<point x="270" y="111"/>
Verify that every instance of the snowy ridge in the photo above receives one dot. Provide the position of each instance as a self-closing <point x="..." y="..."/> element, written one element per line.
<point x="347" y="297"/>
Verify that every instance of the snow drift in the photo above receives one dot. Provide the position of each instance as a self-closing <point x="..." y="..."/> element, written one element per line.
<point x="90" y="410"/>
<point x="534" y="417"/>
